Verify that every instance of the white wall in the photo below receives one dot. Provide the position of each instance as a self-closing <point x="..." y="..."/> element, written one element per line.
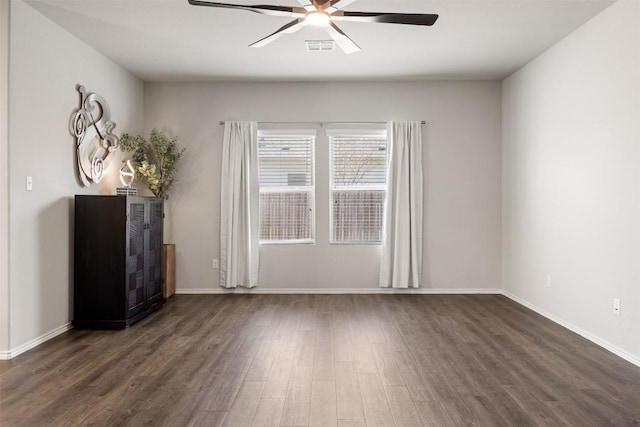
<point x="4" y="177"/>
<point x="462" y="173"/>
<point x="46" y="64"/>
<point x="571" y="183"/>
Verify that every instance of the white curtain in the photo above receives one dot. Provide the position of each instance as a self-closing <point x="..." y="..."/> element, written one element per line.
<point x="239" y="206"/>
<point x="401" y="265"/>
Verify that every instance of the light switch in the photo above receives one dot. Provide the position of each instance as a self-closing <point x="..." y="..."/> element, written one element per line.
<point x="29" y="183"/>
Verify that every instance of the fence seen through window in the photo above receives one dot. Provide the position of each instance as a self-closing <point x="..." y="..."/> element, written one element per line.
<point x="286" y="188"/>
<point x="358" y="188"/>
<point x="357" y="176"/>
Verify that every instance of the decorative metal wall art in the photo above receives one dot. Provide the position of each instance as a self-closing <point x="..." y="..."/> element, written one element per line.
<point x="95" y="142"/>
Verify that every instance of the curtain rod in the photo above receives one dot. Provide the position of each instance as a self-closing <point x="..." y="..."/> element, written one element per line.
<point x="323" y="123"/>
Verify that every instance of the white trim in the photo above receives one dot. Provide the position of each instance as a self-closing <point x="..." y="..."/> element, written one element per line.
<point x="369" y="131"/>
<point x="297" y="189"/>
<point x="594" y="339"/>
<point x="4" y="176"/>
<point x="337" y="291"/>
<point x="5" y="355"/>
<point x="288" y="242"/>
<point x="266" y="131"/>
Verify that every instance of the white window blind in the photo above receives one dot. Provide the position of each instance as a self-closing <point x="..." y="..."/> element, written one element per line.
<point x="358" y="187"/>
<point x="286" y="188"/>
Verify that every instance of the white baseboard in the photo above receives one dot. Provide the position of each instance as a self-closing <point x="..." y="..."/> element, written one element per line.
<point x="6" y="355"/>
<point x="336" y="291"/>
<point x="594" y="339"/>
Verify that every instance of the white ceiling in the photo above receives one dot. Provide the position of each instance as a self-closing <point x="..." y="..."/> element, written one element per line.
<point x="170" y="40"/>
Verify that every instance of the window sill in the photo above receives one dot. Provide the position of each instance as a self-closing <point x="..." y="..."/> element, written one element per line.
<point x="287" y="242"/>
<point x="356" y="243"/>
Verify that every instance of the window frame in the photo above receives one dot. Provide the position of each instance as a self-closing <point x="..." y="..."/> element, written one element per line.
<point x="358" y="133"/>
<point x="291" y="133"/>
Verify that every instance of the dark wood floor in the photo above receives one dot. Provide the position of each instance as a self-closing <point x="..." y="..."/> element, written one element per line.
<point x="311" y="360"/>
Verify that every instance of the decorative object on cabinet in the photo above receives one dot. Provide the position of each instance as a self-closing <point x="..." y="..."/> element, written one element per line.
<point x="168" y="270"/>
<point x="127" y="176"/>
<point x="155" y="160"/>
<point x="96" y="144"/>
<point x="126" y="191"/>
<point x="118" y="260"/>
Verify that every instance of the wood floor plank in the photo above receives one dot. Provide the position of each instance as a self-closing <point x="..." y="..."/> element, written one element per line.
<point x="300" y="360"/>
<point x="295" y="413"/>
<point x="393" y="335"/>
<point x="343" y="348"/>
<point x="308" y="321"/>
<point x="509" y="409"/>
<point x="278" y="381"/>
<point x="208" y="419"/>
<point x="245" y="405"/>
<point x="300" y="384"/>
<point x="363" y="353"/>
<point x="349" y="397"/>
<point x="537" y="411"/>
<point x="306" y="348"/>
<point x="323" y="358"/>
<point x="298" y="401"/>
<point x="323" y="411"/>
<point x="419" y="387"/>
<point x="402" y="407"/>
<point x="389" y="372"/>
<point x="434" y="414"/>
<point x="262" y="362"/>
<point x="374" y="328"/>
<point x="268" y="413"/>
<point x="376" y="407"/>
<point x="352" y="423"/>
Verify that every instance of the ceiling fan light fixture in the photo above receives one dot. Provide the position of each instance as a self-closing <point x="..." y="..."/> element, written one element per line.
<point x="317" y="18"/>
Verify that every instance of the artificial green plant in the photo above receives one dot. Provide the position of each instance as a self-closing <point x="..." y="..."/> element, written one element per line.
<point x="154" y="160"/>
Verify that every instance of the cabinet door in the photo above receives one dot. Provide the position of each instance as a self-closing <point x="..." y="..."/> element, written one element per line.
<point x="154" y="249"/>
<point x="136" y="296"/>
<point x="100" y="260"/>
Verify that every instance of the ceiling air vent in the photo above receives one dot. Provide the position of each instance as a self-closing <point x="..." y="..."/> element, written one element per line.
<point x="320" y="45"/>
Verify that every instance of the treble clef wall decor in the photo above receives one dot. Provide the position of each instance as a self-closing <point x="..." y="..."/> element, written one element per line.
<point x="95" y="142"/>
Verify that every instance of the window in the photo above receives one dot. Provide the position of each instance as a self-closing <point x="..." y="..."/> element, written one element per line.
<point x="286" y="168"/>
<point x="358" y="186"/>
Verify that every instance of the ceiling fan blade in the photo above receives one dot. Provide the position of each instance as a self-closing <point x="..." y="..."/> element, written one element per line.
<point x="345" y="43"/>
<point x="291" y="27"/>
<point x="387" y="18"/>
<point x="341" y="3"/>
<point x="308" y="5"/>
<point x="263" y="9"/>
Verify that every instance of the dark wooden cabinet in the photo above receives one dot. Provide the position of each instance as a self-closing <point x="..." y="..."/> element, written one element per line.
<point x="118" y="260"/>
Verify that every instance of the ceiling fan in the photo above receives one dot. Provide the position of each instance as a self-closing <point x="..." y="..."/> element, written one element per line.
<point x="323" y="13"/>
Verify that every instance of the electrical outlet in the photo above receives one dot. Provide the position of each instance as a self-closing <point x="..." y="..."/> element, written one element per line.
<point x="548" y="281"/>
<point x="214" y="263"/>
<point x="616" y="306"/>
